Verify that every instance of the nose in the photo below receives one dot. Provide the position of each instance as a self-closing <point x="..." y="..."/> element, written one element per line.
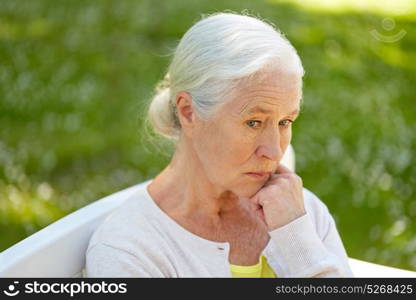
<point x="269" y="147"/>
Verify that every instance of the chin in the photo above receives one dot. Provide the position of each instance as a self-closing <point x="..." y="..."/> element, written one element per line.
<point x="249" y="190"/>
<point x="244" y="189"/>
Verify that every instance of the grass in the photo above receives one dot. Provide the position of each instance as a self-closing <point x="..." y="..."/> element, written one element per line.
<point x="75" y="74"/>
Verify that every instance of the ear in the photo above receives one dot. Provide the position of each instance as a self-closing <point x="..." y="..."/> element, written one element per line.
<point x="185" y="111"/>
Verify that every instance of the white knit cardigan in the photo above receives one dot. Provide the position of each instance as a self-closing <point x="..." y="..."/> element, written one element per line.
<point x="139" y="239"/>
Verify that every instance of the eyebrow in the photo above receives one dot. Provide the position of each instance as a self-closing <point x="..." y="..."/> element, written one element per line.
<point x="258" y="109"/>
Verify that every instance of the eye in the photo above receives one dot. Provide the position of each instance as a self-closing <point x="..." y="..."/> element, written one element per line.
<point x="285" y="123"/>
<point x="252" y="123"/>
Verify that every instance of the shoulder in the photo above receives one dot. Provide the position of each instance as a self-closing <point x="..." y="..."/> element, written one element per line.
<point x="128" y="243"/>
<point x="126" y="227"/>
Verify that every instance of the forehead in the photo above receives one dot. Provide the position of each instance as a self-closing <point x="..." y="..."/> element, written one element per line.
<point x="276" y="91"/>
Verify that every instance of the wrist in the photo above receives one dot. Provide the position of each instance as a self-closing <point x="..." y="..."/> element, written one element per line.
<point x="281" y="224"/>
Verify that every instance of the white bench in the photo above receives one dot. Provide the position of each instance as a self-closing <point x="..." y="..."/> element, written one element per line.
<point x="58" y="250"/>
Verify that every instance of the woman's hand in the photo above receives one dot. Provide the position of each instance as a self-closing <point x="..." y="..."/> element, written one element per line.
<point x="280" y="200"/>
<point x="246" y="233"/>
<point x="277" y="203"/>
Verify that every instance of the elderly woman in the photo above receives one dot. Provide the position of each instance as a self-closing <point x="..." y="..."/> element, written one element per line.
<point x="225" y="206"/>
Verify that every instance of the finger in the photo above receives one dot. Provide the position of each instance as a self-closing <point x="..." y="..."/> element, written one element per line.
<point x="281" y="169"/>
<point x="255" y="201"/>
<point x="258" y="210"/>
<point x="260" y="214"/>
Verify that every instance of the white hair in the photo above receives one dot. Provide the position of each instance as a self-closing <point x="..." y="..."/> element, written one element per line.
<point x="211" y="58"/>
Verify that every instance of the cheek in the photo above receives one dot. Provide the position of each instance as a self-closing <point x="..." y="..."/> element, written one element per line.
<point x="229" y="146"/>
<point x="212" y="144"/>
<point x="285" y="138"/>
<point x="240" y="147"/>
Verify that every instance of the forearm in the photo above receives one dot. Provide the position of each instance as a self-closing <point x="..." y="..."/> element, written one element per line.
<point x="305" y="253"/>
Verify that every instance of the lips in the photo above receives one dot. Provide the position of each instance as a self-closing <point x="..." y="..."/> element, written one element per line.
<point x="258" y="175"/>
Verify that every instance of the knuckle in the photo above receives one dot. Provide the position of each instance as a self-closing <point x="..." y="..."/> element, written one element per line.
<point x="266" y="201"/>
<point x="275" y="188"/>
<point x="287" y="180"/>
<point x="299" y="179"/>
<point x="293" y="178"/>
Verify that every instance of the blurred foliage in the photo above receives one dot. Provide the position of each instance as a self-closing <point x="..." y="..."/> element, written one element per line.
<point x="74" y="76"/>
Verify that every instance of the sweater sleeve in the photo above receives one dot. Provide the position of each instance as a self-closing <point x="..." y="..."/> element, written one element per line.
<point x="305" y="253"/>
<point x="107" y="261"/>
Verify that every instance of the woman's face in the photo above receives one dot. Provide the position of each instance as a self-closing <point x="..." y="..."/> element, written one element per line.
<point x="250" y="132"/>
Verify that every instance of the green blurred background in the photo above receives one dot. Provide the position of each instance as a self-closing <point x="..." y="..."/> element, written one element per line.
<point x="74" y="76"/>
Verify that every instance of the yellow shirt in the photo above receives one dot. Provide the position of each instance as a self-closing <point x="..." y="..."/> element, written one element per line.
<point x="260" y="270"/>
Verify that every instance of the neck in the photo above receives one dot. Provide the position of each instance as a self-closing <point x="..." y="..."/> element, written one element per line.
<point x="183" y="188"/>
